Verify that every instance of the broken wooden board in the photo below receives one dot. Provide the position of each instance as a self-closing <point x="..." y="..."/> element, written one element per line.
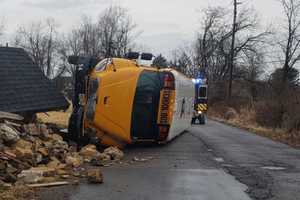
<point x="12" y="123"/>
<point x="6" y="115"/>
<point x="6" y="156"/>
<point x="59" y="183"/>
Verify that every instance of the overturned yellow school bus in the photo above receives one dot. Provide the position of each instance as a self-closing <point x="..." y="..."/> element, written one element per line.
<point x="118" y="101"/>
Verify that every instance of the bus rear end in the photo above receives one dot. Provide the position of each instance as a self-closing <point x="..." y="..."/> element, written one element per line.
<point x="152" y="107"/>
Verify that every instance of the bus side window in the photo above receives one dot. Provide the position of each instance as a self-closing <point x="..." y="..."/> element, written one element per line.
<point x="101" y="66"/>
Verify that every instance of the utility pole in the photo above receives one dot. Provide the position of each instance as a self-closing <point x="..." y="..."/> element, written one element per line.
<point x="231" y="64"/>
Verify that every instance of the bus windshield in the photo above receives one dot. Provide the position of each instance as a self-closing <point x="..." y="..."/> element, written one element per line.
<point x="202" y="92"/>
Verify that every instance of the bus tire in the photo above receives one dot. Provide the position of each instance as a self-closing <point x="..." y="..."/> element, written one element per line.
<point x="202" y="119"/>
<point x="193" y="120"/>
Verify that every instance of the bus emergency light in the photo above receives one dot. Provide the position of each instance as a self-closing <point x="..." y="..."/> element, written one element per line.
<point x="197" y="81"/>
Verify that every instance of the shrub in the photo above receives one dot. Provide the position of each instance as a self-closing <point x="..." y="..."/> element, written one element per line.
<point x="230" y="114"/>
<point x="268" y="114"/>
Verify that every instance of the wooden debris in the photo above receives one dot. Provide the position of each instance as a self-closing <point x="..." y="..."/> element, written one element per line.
<point x="6" y="115"/>
<point x="12" y="123"/>
<point x="33" y="154"/>
<point x="9" y="157"/>
<point x="95" y="176"/>
<point x="59" y="183"/>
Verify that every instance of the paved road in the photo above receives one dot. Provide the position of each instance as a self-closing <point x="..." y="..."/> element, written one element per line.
<point x="270" y="169"/>
<point x="201" y="164"/>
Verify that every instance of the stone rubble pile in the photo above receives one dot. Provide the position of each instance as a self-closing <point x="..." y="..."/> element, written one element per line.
<point x="33" y="153"/>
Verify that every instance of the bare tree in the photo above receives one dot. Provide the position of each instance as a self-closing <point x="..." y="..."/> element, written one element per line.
<point x="209" y="52"/>
<point x="90" y="35"/>
<point x="1" y="27"/>
<point x="182" y="61"/>
<point x="206" y="42"/>
<point x="40" y="40"/>
<point x="213" y="43"/>
<point x="252" y="67"/>
<point x="110" y="36"/>
<point x="160" y="61"/>
<point x="215" y="55"/>
<point x="71" y="44"/>
<point x="290" y="45"/>
<point x="247" y="41"/>
<point x="115" y="28"/>
<point x="83" y="40"/>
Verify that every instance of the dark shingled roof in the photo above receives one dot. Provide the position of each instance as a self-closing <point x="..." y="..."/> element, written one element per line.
<point x="23" y="86"/>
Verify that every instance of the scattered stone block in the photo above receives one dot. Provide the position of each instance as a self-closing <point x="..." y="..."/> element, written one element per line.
<point x="114" y="152"/>
<point x="89" y="152"/>
<point x="95" y="176"/>
<point x="8" y="134"/>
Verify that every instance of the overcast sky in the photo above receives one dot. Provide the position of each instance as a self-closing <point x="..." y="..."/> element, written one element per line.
<point x="164" y="24"/>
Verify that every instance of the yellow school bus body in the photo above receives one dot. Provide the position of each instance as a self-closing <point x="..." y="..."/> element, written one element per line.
<point x="115" y="104"/>
<point x="112" y="120"/>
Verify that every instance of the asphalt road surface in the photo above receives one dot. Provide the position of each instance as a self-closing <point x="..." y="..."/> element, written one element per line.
<point x="211" y="162"/>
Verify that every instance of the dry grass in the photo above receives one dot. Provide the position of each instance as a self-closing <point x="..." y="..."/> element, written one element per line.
<point x="59" y="118"/>
<point x="17" y="193"/>
<point x="246" y="120"/>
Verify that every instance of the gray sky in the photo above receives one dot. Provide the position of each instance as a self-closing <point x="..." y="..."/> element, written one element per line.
<point x="165" y="24"/>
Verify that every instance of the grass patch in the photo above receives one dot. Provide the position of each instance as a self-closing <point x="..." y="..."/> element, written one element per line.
<point x="17" y="192"/>
<point x="245" y="119"/>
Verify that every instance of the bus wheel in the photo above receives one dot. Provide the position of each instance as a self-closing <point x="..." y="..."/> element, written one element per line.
<point x="193" y="120"/>
<point x="202" y="119"/>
